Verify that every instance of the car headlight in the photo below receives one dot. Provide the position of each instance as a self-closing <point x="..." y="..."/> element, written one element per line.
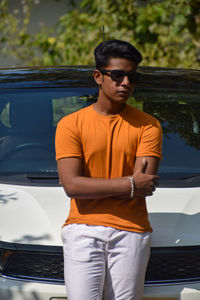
<point x="4" y="258"/>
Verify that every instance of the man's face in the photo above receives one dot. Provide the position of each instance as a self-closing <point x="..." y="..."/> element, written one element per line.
<point x="120" y="90"/>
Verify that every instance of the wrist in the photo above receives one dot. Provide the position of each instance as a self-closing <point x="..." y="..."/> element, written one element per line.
<point x="132" y="187"/>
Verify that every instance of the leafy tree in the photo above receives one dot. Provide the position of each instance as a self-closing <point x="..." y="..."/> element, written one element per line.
<point x="167" y="32"/>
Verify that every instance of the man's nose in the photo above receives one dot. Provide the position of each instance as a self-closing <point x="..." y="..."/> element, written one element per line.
<point x="125" y="80"/>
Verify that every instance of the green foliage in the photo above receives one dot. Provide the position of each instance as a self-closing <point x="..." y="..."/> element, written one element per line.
<point x="166" y="32"/>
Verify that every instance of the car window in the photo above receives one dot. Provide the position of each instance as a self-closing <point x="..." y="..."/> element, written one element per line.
<point x="179" y="115"/>
<point x="28" y="120"/>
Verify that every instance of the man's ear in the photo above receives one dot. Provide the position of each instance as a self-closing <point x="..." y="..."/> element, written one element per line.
<point x="98" y="77"/>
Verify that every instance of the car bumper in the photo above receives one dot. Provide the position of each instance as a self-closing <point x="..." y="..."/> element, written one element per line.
<point x="11" y="289"/>
<point x="24" y="290"/>
<point x="188" y="291"/>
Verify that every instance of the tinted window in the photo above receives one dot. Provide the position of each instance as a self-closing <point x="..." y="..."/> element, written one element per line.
<point x="179" y="115"/>
<point x="28" y="120"/>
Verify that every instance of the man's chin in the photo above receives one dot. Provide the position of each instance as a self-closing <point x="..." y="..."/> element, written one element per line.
<point x="122" y="99"/>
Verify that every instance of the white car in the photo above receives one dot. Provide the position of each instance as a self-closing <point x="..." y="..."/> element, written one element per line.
<point x="33" y="206"/>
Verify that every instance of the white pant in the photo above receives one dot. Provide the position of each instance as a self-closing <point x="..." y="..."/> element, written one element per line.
<point x="104" y="263"/>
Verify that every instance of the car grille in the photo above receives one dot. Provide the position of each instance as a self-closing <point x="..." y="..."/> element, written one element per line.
<point x="40" y="266"/>
<point x="166" y="265"/>
<point x="173" y="265"/>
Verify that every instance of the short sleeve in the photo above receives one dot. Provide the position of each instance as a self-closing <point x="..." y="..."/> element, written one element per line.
<point x="151" y="139"/>
<point x="67" y="140"/>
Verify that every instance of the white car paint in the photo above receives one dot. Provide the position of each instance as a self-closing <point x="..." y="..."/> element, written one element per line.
<point x="30" y="214"/>
<point x="36" y="215"/>
<point x="174" y="214"/>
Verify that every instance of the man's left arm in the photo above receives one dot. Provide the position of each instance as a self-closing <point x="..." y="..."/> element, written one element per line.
<point x="149" y="154"/>
<point x="145" y="166"/>
<point x="151" y="165"/>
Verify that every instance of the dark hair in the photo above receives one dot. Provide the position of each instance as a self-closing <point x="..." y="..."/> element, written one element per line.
<point x="115" y="49"/>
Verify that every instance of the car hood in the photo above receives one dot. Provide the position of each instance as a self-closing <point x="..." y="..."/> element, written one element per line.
<point x="35" y="215"/>
<point x="174" y="214"/>
<point x="32" y="215"/>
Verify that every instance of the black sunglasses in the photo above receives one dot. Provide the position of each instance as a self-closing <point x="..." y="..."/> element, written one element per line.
<point x="118" y="75"/>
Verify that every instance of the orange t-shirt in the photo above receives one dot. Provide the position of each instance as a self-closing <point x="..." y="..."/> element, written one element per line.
<point x="107" y="147"/>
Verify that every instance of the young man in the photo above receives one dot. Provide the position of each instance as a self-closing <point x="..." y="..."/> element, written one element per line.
<point x="108" y="156"/>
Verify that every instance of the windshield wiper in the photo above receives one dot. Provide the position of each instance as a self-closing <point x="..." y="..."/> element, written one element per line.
<point x="43" y="175"/>
<point x="192" y="180"/>
<point x="191" y="177"/>
<point x="40" y="178"/>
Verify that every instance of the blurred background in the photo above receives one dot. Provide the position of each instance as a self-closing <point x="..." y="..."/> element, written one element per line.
<point x="65" y="32"/>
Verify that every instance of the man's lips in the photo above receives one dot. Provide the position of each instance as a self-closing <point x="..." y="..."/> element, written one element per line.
<point x="123" y="92"/>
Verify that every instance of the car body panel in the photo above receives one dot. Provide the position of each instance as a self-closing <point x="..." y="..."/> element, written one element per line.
<point x="171" y="218"/>
<point x="33" y="207"/>
<point x="186" y="80"/>
<point x="38" y="214"/>
<point x="175" y="292"/>
<point x="21" y="290"/>
<point x="174" y="216"/>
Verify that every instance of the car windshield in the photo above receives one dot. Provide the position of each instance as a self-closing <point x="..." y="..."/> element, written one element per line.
<point x="28" y="120"/>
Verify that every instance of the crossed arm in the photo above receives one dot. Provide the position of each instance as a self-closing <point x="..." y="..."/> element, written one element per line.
<point x="78" y="186"/>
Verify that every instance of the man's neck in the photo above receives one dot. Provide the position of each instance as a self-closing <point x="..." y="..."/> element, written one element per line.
<point x="108" y="108"/>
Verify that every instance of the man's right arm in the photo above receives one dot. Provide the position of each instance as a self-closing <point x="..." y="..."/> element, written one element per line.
<point x="78" y="186"/>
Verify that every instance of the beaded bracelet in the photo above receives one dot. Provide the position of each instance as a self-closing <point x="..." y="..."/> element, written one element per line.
<point x="132" y="186"/>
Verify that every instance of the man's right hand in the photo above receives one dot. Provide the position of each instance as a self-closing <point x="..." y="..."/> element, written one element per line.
<point x="145" y="184"/>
